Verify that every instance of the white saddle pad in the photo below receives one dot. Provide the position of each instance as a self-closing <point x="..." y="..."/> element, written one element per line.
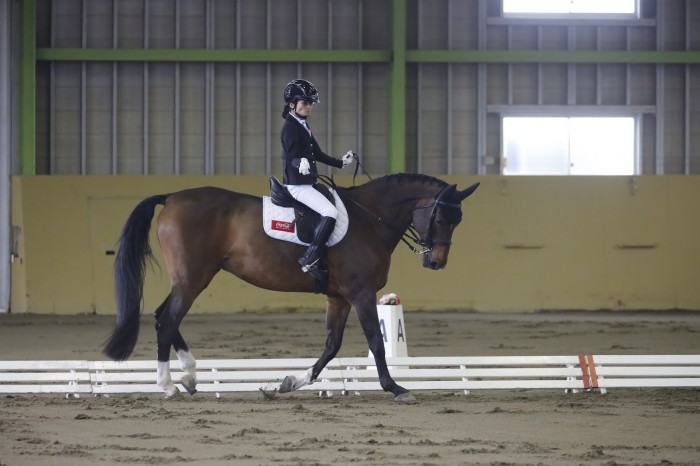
<point x="278" y="222"/>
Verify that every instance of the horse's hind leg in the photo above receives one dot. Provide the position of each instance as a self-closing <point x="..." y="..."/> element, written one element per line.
<point x="337" y="311"/>
<point x="187" y="363"/>
<point x="168" y="318"/>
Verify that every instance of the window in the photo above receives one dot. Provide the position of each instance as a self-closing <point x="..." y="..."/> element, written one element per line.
<point x="569" y="146"/>
<point x="570" y="7"/>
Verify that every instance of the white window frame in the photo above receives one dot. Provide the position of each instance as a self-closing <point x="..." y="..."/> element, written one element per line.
<point x="636" y="142"/>
<point x="562" y="14"/>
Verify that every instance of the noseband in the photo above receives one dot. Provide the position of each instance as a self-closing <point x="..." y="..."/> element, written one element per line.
<point x="428" y="241"/>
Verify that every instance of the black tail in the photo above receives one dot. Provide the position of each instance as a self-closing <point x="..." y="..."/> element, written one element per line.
<point x="129" y="272"/>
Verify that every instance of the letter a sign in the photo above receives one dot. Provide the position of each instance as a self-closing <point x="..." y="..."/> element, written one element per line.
<point x="393" y="330"/>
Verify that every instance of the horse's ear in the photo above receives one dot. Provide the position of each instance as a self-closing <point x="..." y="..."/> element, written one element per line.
<point x="468" y="192"/>
<point x="450" y="192"/>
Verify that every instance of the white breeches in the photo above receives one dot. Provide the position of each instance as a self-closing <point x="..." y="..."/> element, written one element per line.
<point x="307" y="195"/>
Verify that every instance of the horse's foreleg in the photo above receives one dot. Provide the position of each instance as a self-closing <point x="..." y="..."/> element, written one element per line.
<point x="337" y="312"/>
<point x="367" y="313"/>
<point x="294" y="382"/>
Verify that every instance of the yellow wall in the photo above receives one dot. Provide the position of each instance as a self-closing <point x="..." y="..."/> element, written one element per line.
<point x="526" y="243"/>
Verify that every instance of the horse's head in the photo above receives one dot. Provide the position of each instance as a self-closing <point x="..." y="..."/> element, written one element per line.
<point x="435" y="221"/>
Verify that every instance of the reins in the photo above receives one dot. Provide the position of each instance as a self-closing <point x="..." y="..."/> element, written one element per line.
<point x="409" y="233"/>
<point x="358" y="165"/>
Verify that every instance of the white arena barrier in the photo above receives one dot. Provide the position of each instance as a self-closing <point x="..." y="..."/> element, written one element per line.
<point x="453" y="373"/>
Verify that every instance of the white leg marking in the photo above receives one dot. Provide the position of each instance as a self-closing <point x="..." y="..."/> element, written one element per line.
<point x="164" y="380"/>
<point x="303" y="379"/>
<point x="189" y="365"/>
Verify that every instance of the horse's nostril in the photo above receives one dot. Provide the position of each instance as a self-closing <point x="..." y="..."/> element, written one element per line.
<point x="434" y="265"/>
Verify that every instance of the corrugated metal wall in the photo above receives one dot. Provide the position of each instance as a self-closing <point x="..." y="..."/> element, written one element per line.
<point x="201" y="118"/>
<point x="224" y="118"/>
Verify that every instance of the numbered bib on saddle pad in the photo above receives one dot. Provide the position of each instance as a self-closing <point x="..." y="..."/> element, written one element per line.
<point x="279" y="223"/>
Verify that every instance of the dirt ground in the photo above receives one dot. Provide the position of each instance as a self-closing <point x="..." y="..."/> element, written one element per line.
<point x="549" y="427"/>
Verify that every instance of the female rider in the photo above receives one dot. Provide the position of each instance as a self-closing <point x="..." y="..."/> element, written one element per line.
<point x="300" y="153"/>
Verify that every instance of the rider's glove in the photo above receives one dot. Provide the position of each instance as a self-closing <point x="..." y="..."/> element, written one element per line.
<point x="348" y="158"/>
<point x="304" y="167"/>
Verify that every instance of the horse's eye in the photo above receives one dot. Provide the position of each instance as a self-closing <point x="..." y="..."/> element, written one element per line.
<point x="438" y="220"/>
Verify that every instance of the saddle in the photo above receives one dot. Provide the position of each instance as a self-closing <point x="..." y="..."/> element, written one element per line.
<point x="305" y="218"/>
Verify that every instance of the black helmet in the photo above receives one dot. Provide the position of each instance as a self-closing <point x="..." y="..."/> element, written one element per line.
<point x="300" y="89"/>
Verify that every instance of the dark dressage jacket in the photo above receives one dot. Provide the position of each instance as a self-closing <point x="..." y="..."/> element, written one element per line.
<point x="298" y="143"/>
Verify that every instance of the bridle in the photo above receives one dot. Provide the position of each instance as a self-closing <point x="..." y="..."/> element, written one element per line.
<point x="411" y="233"/>
<point x="428" y="241"/>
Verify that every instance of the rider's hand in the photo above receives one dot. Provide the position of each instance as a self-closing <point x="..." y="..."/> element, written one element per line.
<point x="304" y="167"/>
<point x="348" y="158"/>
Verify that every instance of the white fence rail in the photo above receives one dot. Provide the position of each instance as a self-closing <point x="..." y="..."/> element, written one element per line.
<point x="571" y="373"/>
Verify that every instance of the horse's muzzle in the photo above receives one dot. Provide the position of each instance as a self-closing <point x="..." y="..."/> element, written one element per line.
<point x="429" y="263"/>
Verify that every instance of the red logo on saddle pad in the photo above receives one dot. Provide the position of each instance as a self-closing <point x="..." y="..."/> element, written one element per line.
<point x="279" y="225"/>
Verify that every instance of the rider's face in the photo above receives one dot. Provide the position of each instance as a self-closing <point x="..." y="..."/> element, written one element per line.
<point x="303" y="108"/>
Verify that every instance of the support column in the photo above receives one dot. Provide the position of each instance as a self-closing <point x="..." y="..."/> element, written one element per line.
<point x="5" y="149"/>
<point x="397" y="89"/>
<point x="27" y="107"/>
<point x="660" y="155"/>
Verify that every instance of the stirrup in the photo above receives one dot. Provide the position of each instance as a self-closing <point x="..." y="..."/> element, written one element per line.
<point x="309" y="267"/>
<point x="320" y="275"/>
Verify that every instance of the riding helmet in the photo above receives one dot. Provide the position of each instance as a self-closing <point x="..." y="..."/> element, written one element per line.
<point x="300" y="89"/>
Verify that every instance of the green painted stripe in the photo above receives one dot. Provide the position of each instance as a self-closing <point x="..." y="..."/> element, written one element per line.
<point x="396" y="139"/>
<point x="551" y="56"/>
<point x="27" y="104"/>
<point x="367" y="56"/>
<point x="208" y="55"/>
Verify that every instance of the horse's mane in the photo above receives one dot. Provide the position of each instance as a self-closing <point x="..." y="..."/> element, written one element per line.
<point x="399" y="177"/>
<point x="403" y="177"/>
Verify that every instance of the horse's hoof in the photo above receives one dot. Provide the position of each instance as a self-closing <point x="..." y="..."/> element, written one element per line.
<point x="287" y="384"/>
<point x="189" y="383"/>
<point x="172" y="393"/>
<point x="404" y="397"/>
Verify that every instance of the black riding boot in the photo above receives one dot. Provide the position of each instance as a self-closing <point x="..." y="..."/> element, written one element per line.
<point x="311" y="259"/>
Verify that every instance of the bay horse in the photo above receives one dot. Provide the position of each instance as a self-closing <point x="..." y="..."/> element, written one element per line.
<point x="204" y="230"/>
